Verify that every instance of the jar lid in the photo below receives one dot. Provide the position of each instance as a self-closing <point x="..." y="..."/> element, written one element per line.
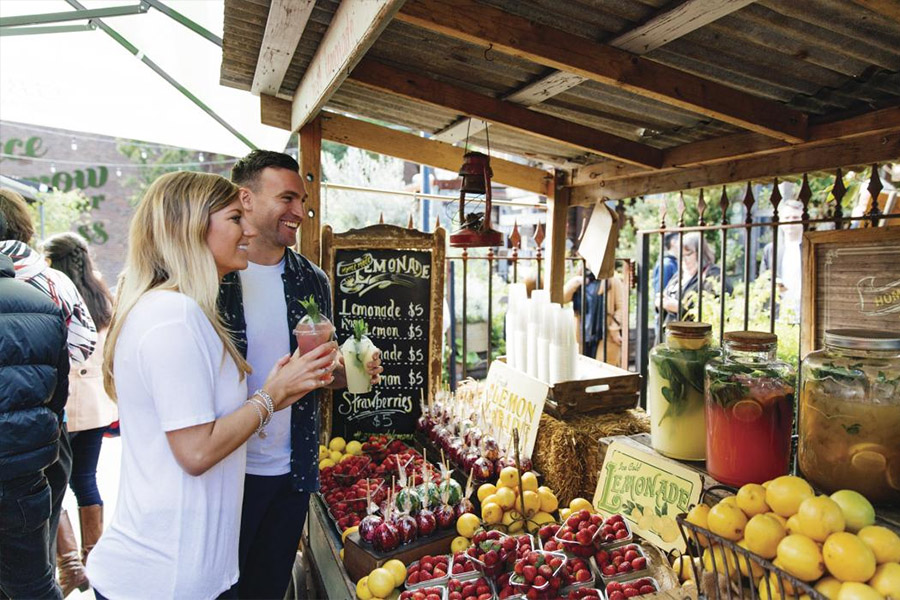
<point x="863" y="339"/>
<point x="750" y="340"/>
<point x="688" y="329"/>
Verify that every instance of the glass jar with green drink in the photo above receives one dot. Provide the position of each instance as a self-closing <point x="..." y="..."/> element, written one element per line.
<point x="675" y="390"/>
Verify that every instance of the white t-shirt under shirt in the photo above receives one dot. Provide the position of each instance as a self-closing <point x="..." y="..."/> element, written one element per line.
<point x="173" y="535"/>
<point x="268" y="340"/>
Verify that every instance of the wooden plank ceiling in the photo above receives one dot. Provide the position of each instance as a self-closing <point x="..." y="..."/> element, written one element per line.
<point x="629" y="97"/>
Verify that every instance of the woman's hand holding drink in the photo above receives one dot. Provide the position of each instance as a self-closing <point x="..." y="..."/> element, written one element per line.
<point x="295" y="376"/>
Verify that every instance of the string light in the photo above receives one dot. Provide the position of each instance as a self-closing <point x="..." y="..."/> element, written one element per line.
<point x="74" y="144"/>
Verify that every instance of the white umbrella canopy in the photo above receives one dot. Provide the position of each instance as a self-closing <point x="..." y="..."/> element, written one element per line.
<point x="85" y="81"/>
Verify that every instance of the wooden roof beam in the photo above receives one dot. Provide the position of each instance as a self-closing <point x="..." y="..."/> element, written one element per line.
<point x="284" y="27"/>
<point x="561" y="50"/>
<point x="354" y="28"/>
<point x="657" y="31"/>
<point x="407" y="146"/>
<point x="415" y="86"/>
<point x="744" y="145"/>
<point x="867" y="149"/>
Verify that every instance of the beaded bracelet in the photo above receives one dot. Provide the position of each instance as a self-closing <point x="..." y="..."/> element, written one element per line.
<point x="256" y="405"/>
<point x="270" y="404"/>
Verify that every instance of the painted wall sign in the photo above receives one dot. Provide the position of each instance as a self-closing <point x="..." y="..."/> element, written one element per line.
<point x="648" y="490"/>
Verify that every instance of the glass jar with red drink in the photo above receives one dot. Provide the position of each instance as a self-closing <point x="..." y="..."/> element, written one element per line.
<point x="749" y="410"/>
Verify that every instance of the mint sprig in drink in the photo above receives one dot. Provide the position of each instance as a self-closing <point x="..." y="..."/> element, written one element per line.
<point x="358" y="350"/>
<point x="314" y="329"/>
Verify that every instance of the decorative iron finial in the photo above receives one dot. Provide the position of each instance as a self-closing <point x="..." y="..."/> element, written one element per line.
<point x="662" y="214"/>
<point x="748" y="202"/>
<point x="515" y="238"/>
<point x="538" y="236"/>
<point x="701" y="208"/>
<point x="838" y="190"/>
<point x="805" y="196"/>
<point x="875" y="186"/>
<point x="775" y="200"/>
<point x="681" y="209"/>
<point x="724" y="203"/>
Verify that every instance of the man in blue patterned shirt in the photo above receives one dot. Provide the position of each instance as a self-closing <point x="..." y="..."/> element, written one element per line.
<point x="282" y="468"/>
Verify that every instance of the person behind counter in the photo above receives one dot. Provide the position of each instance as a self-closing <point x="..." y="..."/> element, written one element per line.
<point x="282" y="469"/>
<point x="181" y="388"/>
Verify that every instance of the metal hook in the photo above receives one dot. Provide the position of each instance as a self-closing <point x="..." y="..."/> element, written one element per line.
<point x="486" y="50"/>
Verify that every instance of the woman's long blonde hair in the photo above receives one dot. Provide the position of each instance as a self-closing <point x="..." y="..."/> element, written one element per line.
<point x="167" y="250"/>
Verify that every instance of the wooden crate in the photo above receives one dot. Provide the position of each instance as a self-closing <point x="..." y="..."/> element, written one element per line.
<point x="598" y="387"/>
<point x="360" y="560"/>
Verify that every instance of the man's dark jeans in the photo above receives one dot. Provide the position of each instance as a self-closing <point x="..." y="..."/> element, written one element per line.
<point x="26" y="570"/>
<point x="58" y="477"/>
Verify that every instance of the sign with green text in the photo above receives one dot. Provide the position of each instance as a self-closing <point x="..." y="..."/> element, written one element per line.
<point x="649" y="491"/>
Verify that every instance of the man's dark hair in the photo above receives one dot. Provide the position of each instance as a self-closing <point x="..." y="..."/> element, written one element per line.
<point x="245" y="172"/>
<point x="669" y="239"/>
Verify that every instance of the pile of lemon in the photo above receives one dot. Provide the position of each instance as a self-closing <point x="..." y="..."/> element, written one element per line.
<point x="830" y="542"/>
<point x="382" y="583"/>
<point x="504" y="502"/>
<point x="337" y="450"/>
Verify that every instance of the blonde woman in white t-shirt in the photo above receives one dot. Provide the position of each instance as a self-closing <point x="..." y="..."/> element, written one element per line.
<point x="184" y="408"/>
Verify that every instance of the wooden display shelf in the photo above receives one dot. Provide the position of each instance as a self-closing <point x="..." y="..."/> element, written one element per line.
<point x="360" y="560"/>
<point x="888" y="516"/>
<point x="599" y="387"/>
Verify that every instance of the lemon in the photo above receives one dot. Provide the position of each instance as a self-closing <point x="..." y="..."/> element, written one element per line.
<point x="354" y="448"/>
<point x="397" y="569"/>
<point x="513" y="521"/>
<point x="727" y="521"/>
<point x="793" y="525"/>
<point x="564" y="513"/>
<point x="491" y="513"/>
<point x="541" y="518"/>
<point x="362" y="589"/>
<point x="323" y="451"/>
<point x="342" y="554"/>
<point x="492" y="499"/>
<point x="731" y="500"/>
<point x="509" y="477"/>
<point x="684" y="567"/>
<point x="485" y="490"/>
<point x="335" y="456"/>
<point x="769" y="582"/>
<point x="346" y="456"/>
<point x="755" y="569"/>
<point x="883" y="542"/>
<point x="347" y="532"/>
<point x="549" y="502"/>
<point x="718" y="560"/>
<point x="848" y="558"/>
<point x="699" y="516"/>
<point x="858" y="591"/>
<point x="459" y="544"/>
<point x="801" y="557"/>
<point x="505" y="498"/>
<point x="828" y="587"/>
<point x="762" y="535"/>
<point x="337" y="444"/>
<point x="529" y="482"/>
<point x="819" y="517"/>
<point x="751" y="499"/>
<point x="779" y="518"/>
<point x="467" y="525"/>
<point x="786" y="493"/>
<point x="580" y="504"/>
<point x="532" y="502"/>
<point x="886" y="580"/>
<point x="858" y="512"/>
<point x="381" y="582"/>
<point x="325" y="463"/>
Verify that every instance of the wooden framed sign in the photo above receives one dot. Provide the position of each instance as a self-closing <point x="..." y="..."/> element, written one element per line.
<point x="393" y="279"/>
<point x="851" y="280"/>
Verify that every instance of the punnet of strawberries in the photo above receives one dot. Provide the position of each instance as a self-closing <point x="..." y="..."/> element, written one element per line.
<point x="428" y="568"/>
<point x="541" y="572"/>
<point x="614" y="530"/>
<point x="525" y="544"/>
<point x="477" y="589"/>
<point x="548" y="532"/>
<point x="616" y="590"/>
<point x="461" y="565"/>
<point x="351" y="469"/>
<point x="585" y="593"/>
<point x="429" y="593"/>
<point x="577" y="571"/>
<point x="492" y="552"/>
<point x="621" y="561"/>
<point x="580" y="532"/>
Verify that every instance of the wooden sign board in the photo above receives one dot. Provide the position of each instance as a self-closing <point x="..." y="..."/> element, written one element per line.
<point x="649" y="491"/>
<point x="393" y="279"/>
<point x="851" y="280"/>
<point x="513" y="400"/>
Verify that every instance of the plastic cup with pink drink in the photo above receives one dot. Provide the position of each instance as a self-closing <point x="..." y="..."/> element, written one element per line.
<point x="314" y="329"/>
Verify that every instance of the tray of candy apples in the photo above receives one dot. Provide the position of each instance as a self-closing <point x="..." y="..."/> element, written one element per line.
<point x="427" y="593"/>
<point x="539" y="574"/>
<point x="620" y="590"/>
<point x="620" y="562"/>
<point x="472" y="589"/>
<point x="428" y="571"/>
<point x="492" y="552"/>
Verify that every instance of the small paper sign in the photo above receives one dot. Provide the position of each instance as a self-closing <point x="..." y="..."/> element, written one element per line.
<point x="513" y="400"/>
<point x="649" y="491"/>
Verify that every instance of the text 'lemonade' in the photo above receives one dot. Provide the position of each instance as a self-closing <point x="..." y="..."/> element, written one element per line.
<point x="749" y="410"/>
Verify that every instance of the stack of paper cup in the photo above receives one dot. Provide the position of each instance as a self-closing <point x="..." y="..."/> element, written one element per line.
<point x="516" y="299"/>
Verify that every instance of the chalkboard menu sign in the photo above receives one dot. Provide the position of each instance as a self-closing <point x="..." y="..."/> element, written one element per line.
<point x="392" y="278"/>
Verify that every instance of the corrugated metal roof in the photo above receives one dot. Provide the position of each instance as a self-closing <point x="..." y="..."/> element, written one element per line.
<point x="822" y="57"/>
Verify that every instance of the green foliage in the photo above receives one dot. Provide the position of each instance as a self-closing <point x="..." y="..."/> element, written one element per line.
<point x="62" y="211"/>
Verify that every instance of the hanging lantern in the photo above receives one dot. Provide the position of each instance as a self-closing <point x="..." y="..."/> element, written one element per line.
<point x="475" y="228"/>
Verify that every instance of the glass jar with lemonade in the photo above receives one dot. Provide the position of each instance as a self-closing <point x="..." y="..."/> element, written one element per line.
<point x="749" y="410"/>
<point x="675" y="390"/>
<point x="850" y="414"/>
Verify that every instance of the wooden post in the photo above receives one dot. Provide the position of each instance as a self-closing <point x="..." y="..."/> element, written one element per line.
<point x="311" y="171"/>
<point x="557" y="212"/>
